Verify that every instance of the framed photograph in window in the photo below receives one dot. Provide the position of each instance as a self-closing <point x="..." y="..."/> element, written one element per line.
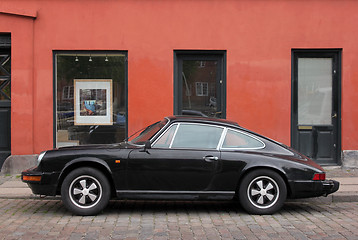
<point x="93" y="102"/>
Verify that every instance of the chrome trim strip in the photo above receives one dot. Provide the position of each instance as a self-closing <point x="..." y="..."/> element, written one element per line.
<point x="175" y="192"/>
<point x="201" y="124"/>
<point x="166" y="130"/>
<point x="141" y="145"/>
<point x="175" y="133"/>
<point x="247" y="134"/>
<point x="155" y="135"/>
<point x="222" y="138"/>
<point x="189" y="123"/>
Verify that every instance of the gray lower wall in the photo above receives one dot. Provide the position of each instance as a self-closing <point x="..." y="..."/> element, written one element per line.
<point x="350" y="158"/>
<point x="15" y="164"/>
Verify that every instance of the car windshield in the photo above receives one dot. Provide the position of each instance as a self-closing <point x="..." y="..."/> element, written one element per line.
<point x="149" y="132"/>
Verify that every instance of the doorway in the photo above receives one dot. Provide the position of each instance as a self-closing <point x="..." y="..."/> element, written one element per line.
<point x="315" y="119"/>
<point x="5" y="97"/>
<point x="200" y="83"/>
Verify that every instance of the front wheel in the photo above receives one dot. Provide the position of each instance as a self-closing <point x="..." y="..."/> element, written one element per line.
<point x="262" y="192"/>
<point x="85" y="191"/>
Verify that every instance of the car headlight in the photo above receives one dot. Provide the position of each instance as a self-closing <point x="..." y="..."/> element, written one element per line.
<point x="40" y="157"/>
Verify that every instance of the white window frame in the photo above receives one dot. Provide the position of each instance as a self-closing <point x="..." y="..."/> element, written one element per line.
<point x="66" y="93"/>
<point x="202" y="91"/>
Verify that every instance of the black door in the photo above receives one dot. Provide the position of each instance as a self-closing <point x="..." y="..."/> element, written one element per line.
<point x="316" y="104"/>
<point x="5" y="98"/>
<point x="200" y="83"/>
<point x="170" y="170"/>
<point x="183" y="158"/>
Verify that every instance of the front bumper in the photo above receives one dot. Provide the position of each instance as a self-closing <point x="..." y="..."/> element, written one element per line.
<point x="47" y="183"/>
<point x="306" y="189"/>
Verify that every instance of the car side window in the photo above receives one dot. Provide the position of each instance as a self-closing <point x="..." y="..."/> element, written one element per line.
<point x="235" y="139"/>
<point x="197" y="136"/>
<point x="166" y="139"/>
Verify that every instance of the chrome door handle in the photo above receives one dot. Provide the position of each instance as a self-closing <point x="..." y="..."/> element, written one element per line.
<point x="210" y="158"/>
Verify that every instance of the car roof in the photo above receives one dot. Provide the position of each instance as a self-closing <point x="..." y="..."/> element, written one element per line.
<point x="198" y="119"/>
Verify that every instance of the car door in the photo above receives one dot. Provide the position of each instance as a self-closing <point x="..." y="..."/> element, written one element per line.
<point x="183" y="158"/>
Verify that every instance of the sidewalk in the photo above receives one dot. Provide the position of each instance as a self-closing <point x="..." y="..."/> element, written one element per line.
<point x="11" y="187"/>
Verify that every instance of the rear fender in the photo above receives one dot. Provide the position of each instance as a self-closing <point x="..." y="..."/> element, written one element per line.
<point x="252" y="167"/>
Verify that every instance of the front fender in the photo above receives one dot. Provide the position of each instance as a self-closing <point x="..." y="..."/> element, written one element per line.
<point x="84" y="162"/>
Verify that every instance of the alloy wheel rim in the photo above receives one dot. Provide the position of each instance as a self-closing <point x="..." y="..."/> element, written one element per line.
<point x="263" y="192"/>
<point x="85" y="191"/>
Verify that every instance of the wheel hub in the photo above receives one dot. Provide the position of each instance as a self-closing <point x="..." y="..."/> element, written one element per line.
<point x="85" y="191"/>
<point x="263" y="192"/>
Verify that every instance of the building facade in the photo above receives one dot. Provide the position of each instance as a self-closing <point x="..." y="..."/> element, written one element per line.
<point x="85" y="72"/>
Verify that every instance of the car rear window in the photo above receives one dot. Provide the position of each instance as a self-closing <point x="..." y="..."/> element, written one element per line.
<point x="235" y="139"/>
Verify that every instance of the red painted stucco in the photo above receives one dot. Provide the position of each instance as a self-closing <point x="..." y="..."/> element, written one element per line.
<point x="257" y="35"/>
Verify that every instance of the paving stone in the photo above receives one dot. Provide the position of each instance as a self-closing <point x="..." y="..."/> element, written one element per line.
<point x="36" y="218"/>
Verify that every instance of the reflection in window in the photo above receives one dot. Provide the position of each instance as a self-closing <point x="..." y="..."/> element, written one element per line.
<point x="197" y="136"/>
<point x="94" y="67"/>
<point x="314" y="91"/>
<point x="199" y="86"/>
<point x="236" y="139"/>
<point x="149" y="132"/>
<point x="201" y="89"/>
<point x="166" y="139"/>
<point x="67" y="93"/>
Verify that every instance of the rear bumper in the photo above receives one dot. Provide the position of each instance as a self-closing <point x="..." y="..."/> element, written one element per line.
<point x="47" y="185"/>
<point x="306" y="189"/>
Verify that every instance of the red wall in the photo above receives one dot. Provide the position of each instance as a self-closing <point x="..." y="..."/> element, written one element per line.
<point x="257" y="35"/>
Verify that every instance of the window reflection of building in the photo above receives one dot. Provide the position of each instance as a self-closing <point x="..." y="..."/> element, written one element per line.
<point x="201" y="89"/>
<point x="67" y="93"/>
<point x="200" y="76"/>
<point x="72" y="66"/>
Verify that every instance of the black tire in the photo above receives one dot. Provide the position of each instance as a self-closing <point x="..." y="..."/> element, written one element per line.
<point x="262" y="192"/>
<point x="85" y="191"/>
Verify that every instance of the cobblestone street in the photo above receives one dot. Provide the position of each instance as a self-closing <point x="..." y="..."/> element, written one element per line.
<point x="48" y="219"/>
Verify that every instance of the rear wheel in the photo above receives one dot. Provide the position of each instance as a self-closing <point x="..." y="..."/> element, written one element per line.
<point x="85" y="191"/>
<point x="262" y="192"/>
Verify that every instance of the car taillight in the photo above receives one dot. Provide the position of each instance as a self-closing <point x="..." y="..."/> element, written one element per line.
<point x="319" y="177"/>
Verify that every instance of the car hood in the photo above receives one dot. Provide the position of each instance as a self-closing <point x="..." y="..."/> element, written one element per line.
<point x="122" y="145"/>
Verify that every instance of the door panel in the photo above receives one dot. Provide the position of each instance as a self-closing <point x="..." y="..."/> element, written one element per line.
<point x="306" y="143"/>
<point x="170" y="170"/>
<point x="315" y="127"/>
<point x="5" y="99"/>
<point x="4" y="128"/>
<point x="325" y="140"/>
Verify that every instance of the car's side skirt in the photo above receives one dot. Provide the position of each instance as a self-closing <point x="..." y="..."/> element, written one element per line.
<point x="175" y="195"/>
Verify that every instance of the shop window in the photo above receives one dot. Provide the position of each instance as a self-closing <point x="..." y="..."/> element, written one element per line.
<point x="91" y="102"/>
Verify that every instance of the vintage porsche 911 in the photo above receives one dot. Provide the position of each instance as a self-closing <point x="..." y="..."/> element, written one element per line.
<point x="180" y="157"/>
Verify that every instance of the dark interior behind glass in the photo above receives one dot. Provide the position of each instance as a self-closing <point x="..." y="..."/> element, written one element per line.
<point x="70" y="67"/>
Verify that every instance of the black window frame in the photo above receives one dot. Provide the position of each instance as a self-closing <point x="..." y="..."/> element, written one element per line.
<point x="56" y="52"/>
<point x="197" y="55"/>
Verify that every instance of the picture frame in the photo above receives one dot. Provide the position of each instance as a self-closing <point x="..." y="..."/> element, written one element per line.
<point x="93" y="102"/>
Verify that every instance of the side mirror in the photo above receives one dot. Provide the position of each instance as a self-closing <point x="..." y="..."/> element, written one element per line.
<point x="146" y="147"/>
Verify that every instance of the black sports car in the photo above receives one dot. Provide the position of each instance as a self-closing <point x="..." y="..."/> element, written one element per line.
<point x="180" y="157"/>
